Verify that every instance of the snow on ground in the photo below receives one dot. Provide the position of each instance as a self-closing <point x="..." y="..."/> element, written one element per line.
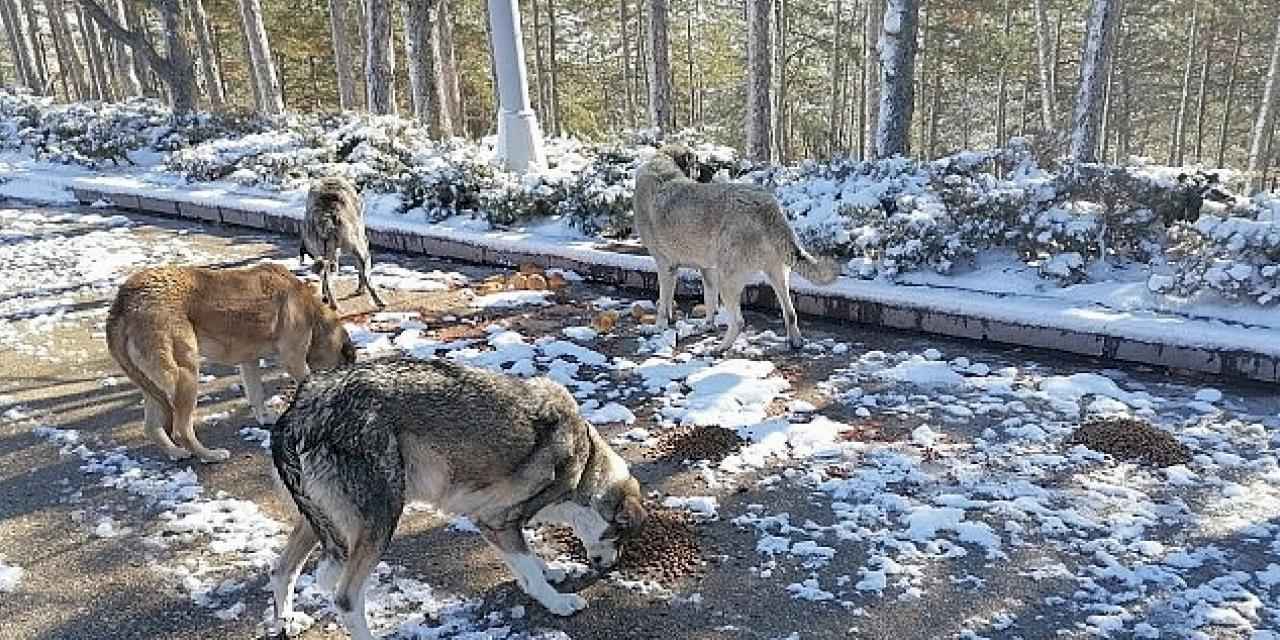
<point x="54" y="262"/>
<point x="10" y="576"/>
<point x="965" y="479"/>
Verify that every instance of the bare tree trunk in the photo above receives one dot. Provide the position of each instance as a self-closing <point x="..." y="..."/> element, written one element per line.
<point x="1202" y="93"/>
<point x="1093" y="61"/>
<point x="20" y="44"/>
<point x="1266" y="115"/>
<point x="552" y="49"/>
<point x="934" y="114"/>
<point x="447" y="81"/>
<point x="759" y="75"/>
<point x="659" y="67"/>
<point x="176" y="68"/>
<point x="263" y="66"/>
<point x="863" y="84"/>
<point x="897" y="78"/>
<point x="380" y="61"/>
<point x="871" y="68"/>
<point x="141" y="66"/>
<point x="1002" y="84"/>
<point x="541" y="102"/>
<point x="343" y="59"/>
<point x="624" y="24"/>
<point x="33" y="33"/>
<point x="419" y="54"/>
<point x="1225" y="129"/>
<point x="1022" y="106"/>
<point x="922" y="76"/>
<point x="693" y="82"/>
<point x="1043" y="48"/>
<point x="68" y="58"/>
<point x="833" y="118"/>
<point x="780" y="126"/>
<point x="212" y="82"/>
<point x="1178" y="145"/>
<point x="93" y="59"/>
<point x="126" y="67"/>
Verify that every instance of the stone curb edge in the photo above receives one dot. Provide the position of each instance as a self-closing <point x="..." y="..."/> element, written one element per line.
<point x="1234" y="364"/>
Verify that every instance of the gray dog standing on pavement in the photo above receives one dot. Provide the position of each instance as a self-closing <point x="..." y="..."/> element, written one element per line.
<point x="730" y="231"/>
<point x="335" y="221"/>
<point x="360" y="441"/>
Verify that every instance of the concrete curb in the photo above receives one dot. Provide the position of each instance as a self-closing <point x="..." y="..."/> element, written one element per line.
<point x="1234" y="364"/>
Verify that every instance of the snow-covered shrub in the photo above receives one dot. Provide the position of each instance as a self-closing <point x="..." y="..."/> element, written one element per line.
<point x="599" y="199"/>
<point x="92" y="133"/>
<point x="1231" y="251"/>
<point x="447" y="184"/>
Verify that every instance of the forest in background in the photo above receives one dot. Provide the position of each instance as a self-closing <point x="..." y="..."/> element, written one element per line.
<point x="1186" y="83"/>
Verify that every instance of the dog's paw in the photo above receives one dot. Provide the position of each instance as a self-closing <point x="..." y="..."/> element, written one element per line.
<point x="554" y="575"/>
<point x="796" y="342"/>
<point x="215" y="455"/>
<point x="565" y="604"/>
<point x="177" y="454"/>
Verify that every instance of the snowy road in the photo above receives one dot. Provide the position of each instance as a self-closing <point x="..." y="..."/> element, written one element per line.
<point x="877" y="485"/>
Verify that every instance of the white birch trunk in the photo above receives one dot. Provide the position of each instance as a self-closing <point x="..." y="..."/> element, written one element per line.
<point x="759" y="74"/>
<point x="897" y="78"/>
<point x="263" y="66"/>
<point x="379" y="60"/>
<point x="1093" y="64"/>
<point x="1266" y="115"/>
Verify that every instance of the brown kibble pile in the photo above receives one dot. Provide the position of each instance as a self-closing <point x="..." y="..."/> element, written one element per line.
<point x="1131" y="439"/>
<point x="698" y="443"/>
<point x="666" y="549"/>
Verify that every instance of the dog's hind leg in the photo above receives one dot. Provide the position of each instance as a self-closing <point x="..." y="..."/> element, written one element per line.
<point x="285" y="572"/>
<point x="710" y="295"/>
<point x="364" y="264"/>
<point x="780" y="280"/>
<point x="186" y="377"/>
<point x="349" y="595"/>
<point x="155" y="428"/>
<point x="529" y="571"/>
<point x="731" y="293"/>
<point x="325" y="290"/>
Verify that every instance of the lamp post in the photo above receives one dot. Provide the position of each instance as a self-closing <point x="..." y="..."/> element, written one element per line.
<point x="519" y="137"/>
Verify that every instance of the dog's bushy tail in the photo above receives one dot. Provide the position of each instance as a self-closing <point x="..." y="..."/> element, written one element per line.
<point x="286" y="445"/>
<point x="118" y="347"/>
<point x="818" y="270"/>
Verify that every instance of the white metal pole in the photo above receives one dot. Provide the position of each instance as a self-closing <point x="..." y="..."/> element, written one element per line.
<point x="519" y="137"/>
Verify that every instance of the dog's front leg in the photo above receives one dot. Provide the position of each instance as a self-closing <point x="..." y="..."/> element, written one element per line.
<point x="528" y="569"/>
<point x="251" y="375"/>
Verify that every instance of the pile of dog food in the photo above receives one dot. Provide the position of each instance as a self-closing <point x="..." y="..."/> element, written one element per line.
<point x="665" y="550"/>
<point x="697" y="443"/>
<point x="1128" y="438"/>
